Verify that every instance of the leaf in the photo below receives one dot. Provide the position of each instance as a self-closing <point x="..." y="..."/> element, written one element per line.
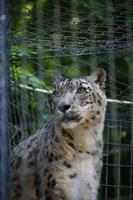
<point x="72" y="71"/>
<point x="35" y="82"/>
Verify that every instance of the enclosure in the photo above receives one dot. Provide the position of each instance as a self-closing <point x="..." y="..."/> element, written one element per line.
<point x="40" y="38"/>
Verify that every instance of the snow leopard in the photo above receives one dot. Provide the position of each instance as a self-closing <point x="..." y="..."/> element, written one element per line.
<point x="63" y="160"/>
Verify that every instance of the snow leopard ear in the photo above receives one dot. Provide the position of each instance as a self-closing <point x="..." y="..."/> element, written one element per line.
<point x="99" y="77"/>
<point x="57" y="78"/>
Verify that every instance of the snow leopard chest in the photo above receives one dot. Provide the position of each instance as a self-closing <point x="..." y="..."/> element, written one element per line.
<point x="72" y="172"/>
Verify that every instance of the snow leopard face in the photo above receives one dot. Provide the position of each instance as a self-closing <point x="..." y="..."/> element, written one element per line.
<point x="81" y="100"/>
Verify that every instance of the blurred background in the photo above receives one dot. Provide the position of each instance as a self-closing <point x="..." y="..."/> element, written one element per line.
<point x="73" y="37"/>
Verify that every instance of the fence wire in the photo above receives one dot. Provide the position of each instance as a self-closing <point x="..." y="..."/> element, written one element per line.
<point x="72" y="27"/>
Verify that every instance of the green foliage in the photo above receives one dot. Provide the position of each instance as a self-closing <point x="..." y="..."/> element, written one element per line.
<point x="72" y="71"/>
<point x="19" y="74"/>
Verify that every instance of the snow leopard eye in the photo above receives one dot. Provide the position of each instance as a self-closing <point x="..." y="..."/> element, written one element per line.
<point x="81" y="90"/>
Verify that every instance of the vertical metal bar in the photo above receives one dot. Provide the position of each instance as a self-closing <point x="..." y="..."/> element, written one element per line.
<point x="130" y="73"/>
<point x="119" y="125"/>
<point x="57" y="36"/>
<point x="107" y="159"/>
<point x="75" y="28"/>
<point x="41" y="107"/>
<point x="93" y="59"/>
<point x="131" y="120"/>
<point x="23" y="102"/>
<point x="113" y="92"/>
<point x="4" y="99"/>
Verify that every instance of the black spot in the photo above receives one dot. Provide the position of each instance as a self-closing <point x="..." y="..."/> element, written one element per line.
<point x="57" y="139"/>
<point x="31" y="154"/>
<point x="48" y="184"/>
<point x="53" y="183"/>
<point x="80" y="151"/>
<point x="73" y="175"/>
<point x="86" y="91"/>
<point x="19" y="162"/>
<point x="30" y="164"/>
<point x="33" y="139"/>
<point x="45" y="171"/>
<point x="20" y="149"/>
<point x="89" y="102"/>
<point x="94" y="97"/>
<point x="87" y="152"/>
<point x="50" y="176"/>
<point x="51" y="157"/>
<point x="58" y="157"/>
<point x="37" y="184"/>
<point x="99" y="102"/>
<point x="38" y="192"/>
<point x="67" y="134"/>
<point x="72" y="145"/>
<point x="12" y="164"/>
<point x="48" y="198"/>
<point x="89" y="89"/>
<point x="93" y="117"/>
<point x="47" y="153"/>
<point x="98" y="112"/>
<point x="53" y="134"/>
<point x="19" y="187"/>
<point x="15" y="178"/>
<point x="29" y="145"/>
<point x="67" y="164"/>
<point x="18" y="194"/>
<point x="18" y="191"/>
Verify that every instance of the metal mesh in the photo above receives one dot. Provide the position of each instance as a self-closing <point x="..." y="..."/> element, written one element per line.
<point x="117" y="175"/>
<point x="75" y="37"/>
<point x="62" y="28"/>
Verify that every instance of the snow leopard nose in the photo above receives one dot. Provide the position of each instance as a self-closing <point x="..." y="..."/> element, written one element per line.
<point x="63" y="107"/>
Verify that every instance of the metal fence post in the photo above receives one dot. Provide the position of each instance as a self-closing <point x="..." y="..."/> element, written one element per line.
<point x="4" y="111"/>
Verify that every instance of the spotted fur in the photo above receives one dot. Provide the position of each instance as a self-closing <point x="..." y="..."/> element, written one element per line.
<point x="63" y="161"/>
